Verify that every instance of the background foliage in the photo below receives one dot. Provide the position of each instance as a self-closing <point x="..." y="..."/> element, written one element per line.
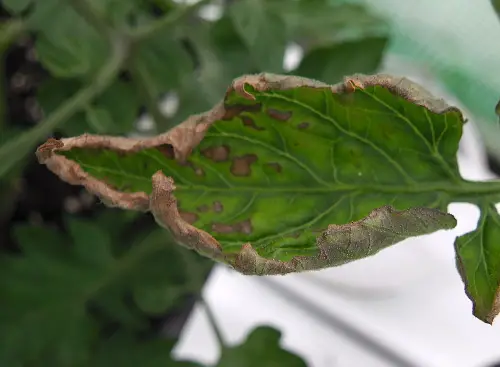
<point x="82" y="285"/>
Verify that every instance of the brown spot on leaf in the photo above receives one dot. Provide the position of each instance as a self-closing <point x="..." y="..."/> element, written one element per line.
<point x="217" y="154"/>
<point x="276" y="166"/>
<point x="241" y="165"/>
<point x="167" y="150"/>
<point x="203" y="208"/>
<point x="232" y="111"/>
<point x="218" y="207"/>
<point x="244" y="227"/>
<point x="279" y="115"/>
<point x="197" y="170"/>
<point x="189" y="217"/>
<point x="247" y="121"/>
<point x="303" y="125"/>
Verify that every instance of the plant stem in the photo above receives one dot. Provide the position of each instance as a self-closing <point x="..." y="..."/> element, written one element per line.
<point x="16" y="150"/>
<point x="213" y="324"/>
<point x="197" y="278"/>
<point x="86" y="10"/>
<point x="167" y="21"/>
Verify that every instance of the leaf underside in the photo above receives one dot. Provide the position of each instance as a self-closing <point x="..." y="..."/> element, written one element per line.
<point x="285" y="174"/>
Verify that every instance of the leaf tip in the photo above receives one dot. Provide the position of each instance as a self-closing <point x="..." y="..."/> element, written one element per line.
<point x="45" y="150"/>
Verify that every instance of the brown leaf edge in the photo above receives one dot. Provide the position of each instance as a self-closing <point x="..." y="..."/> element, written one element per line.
<point x="187" y="135"/>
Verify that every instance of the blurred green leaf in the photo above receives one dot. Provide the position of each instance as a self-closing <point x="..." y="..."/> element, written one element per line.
<point x="47" y="291"/>
<point x="222" y="55"/>
<point x="42" y="309"/>
<point x="201" y="89"/>
<point x="331" y="64"/>
<point x="263" y="31"/>
<point x="68" y="46"/>
<point x="261" y="348"/>
<point x="113" y="112"/>
<point x="163" y="61"/>
<point x="16" y="6"/>
<point x="118" y="12"/>
<point x="321" y="23"/>
<point x="156" y="299"/>
<point x="125" y="350"/>
<point x="231" y="49"/>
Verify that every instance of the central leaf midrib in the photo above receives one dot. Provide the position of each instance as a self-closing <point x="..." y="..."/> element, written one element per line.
<point x="445" y="186"/>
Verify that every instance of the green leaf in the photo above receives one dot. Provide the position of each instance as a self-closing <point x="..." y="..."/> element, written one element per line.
<point x="263" y="31"/>
<point x="261" y="348"/>
<point x="231" y="49"/>
<point x="284" y="163"/>
<point x="120" y="103"/>
<point x="125" y="350"/>
<point x="323" y="23"/>
<point x="221" y="55"/>
<point x="118" y="12"/>
<point x="41" y="311"/>
<point x="67" y="45"/>
<point x="331" y="64"/>
<point x="157" y="299"/>
<point x="16" y="6"/>
<point x="48" y="291"/>
<point x="478" y="262"/>
<point x="163" y="62"/>
<point x="113" y="112"/>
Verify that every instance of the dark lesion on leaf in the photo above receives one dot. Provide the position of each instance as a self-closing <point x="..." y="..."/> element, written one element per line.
<point x="244" y="227"/>
<point x="218" y="207"/>
<point x="241" y="166"/>
<point x="232" y="111"/>
<point x="189" y="217"/>
<point x="275" y="166"/>
<point x="217" y="154"/>
<point x="279" y="115"/>
<point x="248" y="121"/>
<point x="166" y="150"/>
<point x="197" y="170"/>
<point x="203" y="208"/>
<point x="303" y="125"/>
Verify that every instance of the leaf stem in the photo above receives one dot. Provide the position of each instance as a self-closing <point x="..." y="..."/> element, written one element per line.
<point x="213" y="323"/>
<point x="150" y="30"/>
<point x="16" y="150"/>
<point x="91" y="15"/>
<point x="197" y="279"/>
